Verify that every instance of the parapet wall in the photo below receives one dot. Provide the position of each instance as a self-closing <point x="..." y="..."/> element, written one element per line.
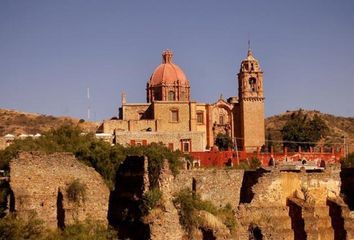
<point x="39" y="182"/>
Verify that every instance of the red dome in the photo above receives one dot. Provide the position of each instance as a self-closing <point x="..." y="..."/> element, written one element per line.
<point x="168" y="73"/>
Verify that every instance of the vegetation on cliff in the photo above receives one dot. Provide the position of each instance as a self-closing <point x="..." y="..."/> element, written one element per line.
<point x="76" y="191"/>
<point x="190" y="204"/>
<point x="13" y="228"/>
<point x="348" y="162"/>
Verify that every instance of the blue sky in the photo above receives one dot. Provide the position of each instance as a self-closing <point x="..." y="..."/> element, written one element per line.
<point x="52" y="51"/>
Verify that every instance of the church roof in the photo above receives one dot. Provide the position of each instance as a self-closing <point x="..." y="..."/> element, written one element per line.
<point x="168" y="73"/>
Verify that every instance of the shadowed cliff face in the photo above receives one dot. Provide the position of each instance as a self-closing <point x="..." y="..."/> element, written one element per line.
<point x="124" y="205"/>
<point x="347" y="183"/>
<point x="250" y="178"/>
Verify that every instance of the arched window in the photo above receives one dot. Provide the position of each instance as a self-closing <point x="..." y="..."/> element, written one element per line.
<point x="252" y="81"/>
<point x="171" y="96"/>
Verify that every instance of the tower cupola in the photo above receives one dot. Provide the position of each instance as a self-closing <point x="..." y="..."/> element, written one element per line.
<point x="250" y="77"/>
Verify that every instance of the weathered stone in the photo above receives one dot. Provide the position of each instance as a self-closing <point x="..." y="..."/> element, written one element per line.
<point x="39" y="182"/>
<point x="219" y="186"/>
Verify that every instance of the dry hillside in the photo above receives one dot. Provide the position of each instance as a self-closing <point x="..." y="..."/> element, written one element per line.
<point x="338" y="126"/>
<point x="15" y="122"/>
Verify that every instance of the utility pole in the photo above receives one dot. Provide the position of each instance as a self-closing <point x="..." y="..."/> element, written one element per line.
<point x="236" y="149"/>
<point x="88" y="107"/>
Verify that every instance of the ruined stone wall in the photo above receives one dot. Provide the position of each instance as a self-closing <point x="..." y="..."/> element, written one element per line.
<point x="306" y="193"/>
<point x="216" y="185"/>
<point x="39" y="182"/>
<point x="164" y="221"/>
<point x="275" y="187"/>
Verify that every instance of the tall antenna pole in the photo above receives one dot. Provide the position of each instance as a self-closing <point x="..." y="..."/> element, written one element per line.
<point x="88" y="100"/>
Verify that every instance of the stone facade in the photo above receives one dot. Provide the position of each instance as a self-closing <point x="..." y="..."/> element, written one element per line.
<point x="39" y="183"/>
<point x="169" y="110"/>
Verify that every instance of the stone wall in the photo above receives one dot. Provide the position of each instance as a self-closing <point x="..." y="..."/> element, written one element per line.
<point x="282" y="199"/>
<point x="164" y="221"/>
<point x="39" y="182"/>
<point x="3" y="144"/>
<point x="219" y="186"/>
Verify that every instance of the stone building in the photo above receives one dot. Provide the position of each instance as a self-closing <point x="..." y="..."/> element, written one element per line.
<point x="171" y="117"/>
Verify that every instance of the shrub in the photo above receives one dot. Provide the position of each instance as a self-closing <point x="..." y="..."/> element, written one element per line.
<point x="151" y="200"/>
<point x="76" y="191"/>
<point x="13" y="228"/>
<point x="243" y="165"/>
<point x="223" y="141"/>
<point x="87" y="230"/>
<point x="255" y="163"/>
<point x="190" y="203"/>
<point x="348" y="162"/>
<point x="156" y="153"/>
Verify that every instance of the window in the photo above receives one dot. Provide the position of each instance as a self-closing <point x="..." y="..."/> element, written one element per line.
<point x="174" y="115"/>
<point x="170" y="146"/>
<point x="252" y="82"/>
<point x="171" y="96"/>
<point x="200" y="117"/>
<point x="186" y="145"/>
<point x="221" y="120"/>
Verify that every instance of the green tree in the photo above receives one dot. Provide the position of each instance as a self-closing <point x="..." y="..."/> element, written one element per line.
<point x="348" y="161"/>
<point x="223" y="141"/>
<point x="299" y="130"/>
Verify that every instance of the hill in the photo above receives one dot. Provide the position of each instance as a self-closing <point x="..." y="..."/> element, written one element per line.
<point x="15" y="122"/>
<point x="338" y="127"/>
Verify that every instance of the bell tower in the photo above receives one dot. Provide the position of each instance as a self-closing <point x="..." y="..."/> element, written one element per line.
<point x="251" y="99"/>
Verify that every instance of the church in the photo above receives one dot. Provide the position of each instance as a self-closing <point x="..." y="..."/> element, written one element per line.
<point x="171" y="117"/>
